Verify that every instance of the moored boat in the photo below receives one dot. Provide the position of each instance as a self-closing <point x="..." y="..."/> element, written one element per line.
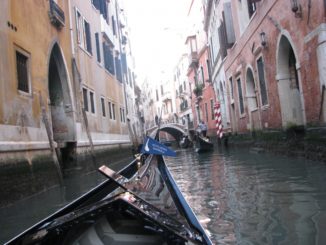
<point x="139" y="205"/>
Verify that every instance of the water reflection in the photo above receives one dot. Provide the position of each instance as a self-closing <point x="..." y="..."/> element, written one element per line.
<point x="16" y="218"/>
<point x="249" y="198"/>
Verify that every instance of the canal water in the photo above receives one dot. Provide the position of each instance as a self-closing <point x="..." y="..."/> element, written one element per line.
<point x="243" y="197"/>
<point x="240" y="197"/>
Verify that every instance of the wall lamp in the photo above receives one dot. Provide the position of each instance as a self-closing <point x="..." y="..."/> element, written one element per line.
<point x="263" y="40"/>
<point x="296" y="8"/>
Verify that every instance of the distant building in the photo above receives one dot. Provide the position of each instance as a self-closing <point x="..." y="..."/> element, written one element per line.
<point x="203" y="97"/>
<point x="183" y="93"/>
<point x="215" y="23"/>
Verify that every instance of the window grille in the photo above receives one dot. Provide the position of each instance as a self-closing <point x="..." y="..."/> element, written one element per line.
<point x="22" y="72"/>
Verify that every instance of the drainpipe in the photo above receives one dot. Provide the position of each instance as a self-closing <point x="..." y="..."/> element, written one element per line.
<point x="71" y="31"/>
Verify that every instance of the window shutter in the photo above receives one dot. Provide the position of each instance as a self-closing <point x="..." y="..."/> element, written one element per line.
<point x="228" y="20"/>
<point x="88" y="37"/>
<point x="221" y="35"/>
<point x="98" y="52"/>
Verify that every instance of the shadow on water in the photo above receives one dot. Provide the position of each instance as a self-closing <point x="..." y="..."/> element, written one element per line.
<point x="77" y="180"/>
<point x="242" y="197"/>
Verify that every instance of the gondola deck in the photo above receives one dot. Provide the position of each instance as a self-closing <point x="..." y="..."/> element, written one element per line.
<point x="143" y="209"/>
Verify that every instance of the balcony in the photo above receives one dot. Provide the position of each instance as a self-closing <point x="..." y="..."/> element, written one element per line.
<point x="166" y="97"/>
<point x="56" y="14"/>
<point x="108" y="32"/>
<point x="193" y="59"/>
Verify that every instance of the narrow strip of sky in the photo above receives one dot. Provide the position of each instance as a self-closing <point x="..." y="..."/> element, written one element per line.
<point x="158" y="30"/>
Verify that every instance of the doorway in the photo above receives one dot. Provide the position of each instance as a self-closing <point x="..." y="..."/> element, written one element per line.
<point x="62" y="117"/>
<point x="289" y="85"/>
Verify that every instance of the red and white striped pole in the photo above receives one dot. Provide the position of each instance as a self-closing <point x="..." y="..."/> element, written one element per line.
<point x="218" y="120"/>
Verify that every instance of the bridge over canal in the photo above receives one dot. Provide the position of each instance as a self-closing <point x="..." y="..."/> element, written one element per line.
<point x="174" y="129"/>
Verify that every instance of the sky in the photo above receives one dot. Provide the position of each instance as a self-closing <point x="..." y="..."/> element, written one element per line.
<point x="158" y="33"/>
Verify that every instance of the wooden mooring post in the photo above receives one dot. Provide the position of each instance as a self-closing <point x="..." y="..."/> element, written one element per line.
<point x="54" y="150"/>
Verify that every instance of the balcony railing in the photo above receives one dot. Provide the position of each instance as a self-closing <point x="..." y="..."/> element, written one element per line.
<point x="56" y="14"/>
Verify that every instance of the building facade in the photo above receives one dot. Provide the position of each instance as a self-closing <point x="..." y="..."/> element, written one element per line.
<point x="274" y="67"/>
<point x="183" y="93"/>
<point x="203" y="97"/>
<point x="217" y="18"/>
<point x="62" y="78"/>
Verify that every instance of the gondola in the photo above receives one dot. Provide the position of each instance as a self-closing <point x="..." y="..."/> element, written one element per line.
<point x="184" y="142"/>
<point x="139" y="205"/>
<point x="203" y="144"/>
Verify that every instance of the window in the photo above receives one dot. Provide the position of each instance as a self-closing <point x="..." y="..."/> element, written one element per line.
<point x="103" y="107"/>
<point x="88" y="43"/>
<point x="212" y="109"/>
<point x="231" y="88"/>
<point x="252" y="7"/>
<point x="85" y="98"/>
<point x="110" y="109"/>
<point x="124" y="64"/>
<point x="206" y="112"/>
<point x="202" y="75"/>
<point x="118" y="69"/>
<point x="113" y="26"/>
<point x="91" y="98"/>
<point x="113" y="111"/>
<point x="79" y="27"/>
<point x="98" y="51"/>
<point x="22" y="72"/>
<point x="108" y="58"/>
<point x="262" y="83"/>
<point x="208" y="69"/>
<point x="122" y="115"/>
<point x="83" y="33"/>
<point x="241" y="105"/>
<point x="101" y="5"/>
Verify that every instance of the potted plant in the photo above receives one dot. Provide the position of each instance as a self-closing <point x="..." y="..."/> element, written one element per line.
<point x="198" y="90"/>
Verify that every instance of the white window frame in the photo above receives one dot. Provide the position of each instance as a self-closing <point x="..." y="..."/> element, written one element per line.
<point x="81" y="31"/>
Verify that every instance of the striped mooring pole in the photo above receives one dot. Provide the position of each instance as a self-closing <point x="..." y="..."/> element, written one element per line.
<point x="218" y="120"/>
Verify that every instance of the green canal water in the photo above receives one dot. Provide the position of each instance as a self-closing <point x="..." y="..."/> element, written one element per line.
<point x="240" y="197"/>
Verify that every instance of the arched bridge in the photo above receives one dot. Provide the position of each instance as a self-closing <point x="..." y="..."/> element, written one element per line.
<point x="175" y="129"/>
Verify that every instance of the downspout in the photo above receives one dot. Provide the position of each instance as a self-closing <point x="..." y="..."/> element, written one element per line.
<point x="71" y="31"/>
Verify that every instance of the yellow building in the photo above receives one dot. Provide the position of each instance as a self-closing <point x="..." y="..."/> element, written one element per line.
<point x="61" y="84"/>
